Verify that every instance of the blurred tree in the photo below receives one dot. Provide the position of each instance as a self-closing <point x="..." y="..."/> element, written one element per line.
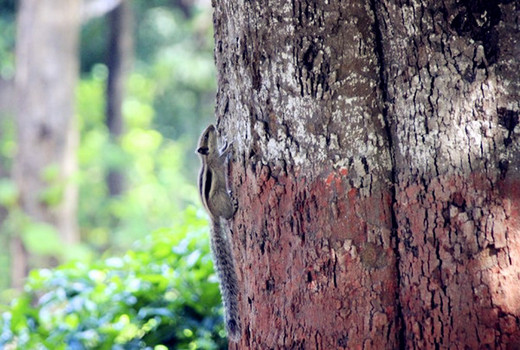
<point x="7" y="15"/>
<point x="46" y="74"/>
<point x="170" y="93"/>
<point x="6" y="96"/>
<point x="7" y="28"/>
<point x="120" y="48"/>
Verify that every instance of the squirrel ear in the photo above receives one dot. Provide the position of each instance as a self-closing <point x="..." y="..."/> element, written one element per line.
<point x="203" y="150"/>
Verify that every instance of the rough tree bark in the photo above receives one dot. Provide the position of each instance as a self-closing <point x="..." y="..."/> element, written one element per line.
<point x="452" y="80"/>
<point x="376" y="167"/>
<point x="46" y="75"/>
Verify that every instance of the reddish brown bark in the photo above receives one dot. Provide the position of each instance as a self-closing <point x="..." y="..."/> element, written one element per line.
<point x="304" y="251"/>
<point x="450" y="73"/>
<point x="466" y="289"/>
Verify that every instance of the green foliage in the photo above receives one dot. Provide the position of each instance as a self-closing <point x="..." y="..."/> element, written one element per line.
<point x="169" y="92"/>
<point x="7" y="140"/>
<point x="181" y="52"/>
<point x="169" y="97"/>
<point x="7" y="28"/>
<point x="162" y="293"/>
<point x="8" y="193"/>
<point x="52" y="195"/>
<point x="94" y="42"/>
<point x="156" y="188"/>
<point x="173" y="48"/>
<point x="41" y="238"/>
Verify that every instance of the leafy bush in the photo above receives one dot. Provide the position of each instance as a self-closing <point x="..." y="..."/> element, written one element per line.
<point x="161" y="295"/>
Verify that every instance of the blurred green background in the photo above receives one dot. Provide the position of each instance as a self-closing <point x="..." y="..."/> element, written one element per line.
<point x="142" y="277"/>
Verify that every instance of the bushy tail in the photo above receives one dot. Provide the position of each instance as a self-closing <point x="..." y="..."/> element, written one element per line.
<point x="225" y="268"/>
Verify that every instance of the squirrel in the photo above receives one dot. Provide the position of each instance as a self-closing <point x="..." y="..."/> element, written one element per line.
<point x="218" y="203"/>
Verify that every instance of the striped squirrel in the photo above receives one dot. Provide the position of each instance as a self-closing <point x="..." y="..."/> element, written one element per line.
<point x="219" y="205"/>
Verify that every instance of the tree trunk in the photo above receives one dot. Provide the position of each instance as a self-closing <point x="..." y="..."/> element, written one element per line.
<point x="119" y="56"/>
<point x="46" y="75"/>
<point x="6" y="97"/>
<point x="452" y="77"/>
<point x="376" y="167"/>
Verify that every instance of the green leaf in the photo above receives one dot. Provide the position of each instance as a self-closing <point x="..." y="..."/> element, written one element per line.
<point x="8" y="193"/>
<point x="52" y="195"/>
<point x="141" y="141"/>
<point x="51" y="173"/>
<point x="41" y="238"/>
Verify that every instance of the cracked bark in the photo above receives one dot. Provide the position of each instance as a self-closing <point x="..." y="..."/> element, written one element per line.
<point x="454" y="106"/>
<point x="376" y="170"/>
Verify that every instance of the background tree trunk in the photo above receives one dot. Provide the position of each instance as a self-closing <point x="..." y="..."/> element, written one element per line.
<point x="6" y="117"/>
<point x="376" y="170"/>
<point x="6" y="97"/>
<point x="119" y="57"/>
<point x="46" y="75"/>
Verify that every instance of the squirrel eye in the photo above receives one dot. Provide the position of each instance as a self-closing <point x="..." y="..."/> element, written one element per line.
<point x="203" y="150"/>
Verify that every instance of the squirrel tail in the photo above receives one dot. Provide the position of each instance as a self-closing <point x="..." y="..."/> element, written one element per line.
<point x="225" y="268"/>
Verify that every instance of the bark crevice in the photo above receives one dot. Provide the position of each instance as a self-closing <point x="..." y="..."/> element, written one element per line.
<point x="383" y="87"/>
